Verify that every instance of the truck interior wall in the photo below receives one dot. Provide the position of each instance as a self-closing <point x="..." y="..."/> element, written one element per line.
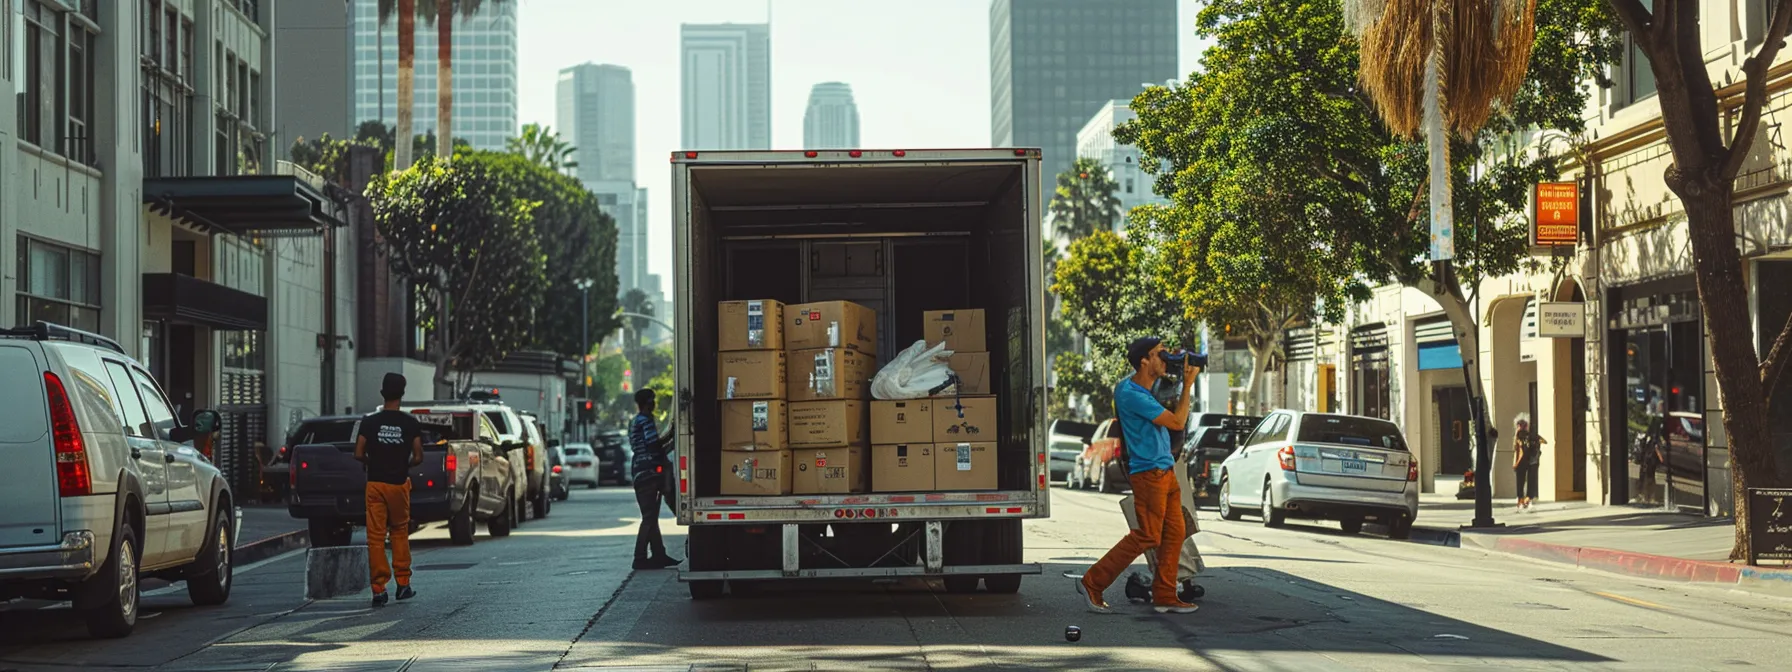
<point x="902" y="262"/>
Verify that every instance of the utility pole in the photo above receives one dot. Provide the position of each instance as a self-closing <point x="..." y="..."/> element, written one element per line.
<point x="584" y="286"/>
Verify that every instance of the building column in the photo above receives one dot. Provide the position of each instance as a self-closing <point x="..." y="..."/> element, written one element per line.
<point x="117" y="138"/>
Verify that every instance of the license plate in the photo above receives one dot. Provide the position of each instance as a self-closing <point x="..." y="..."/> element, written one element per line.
<point x="1355" y="466"/>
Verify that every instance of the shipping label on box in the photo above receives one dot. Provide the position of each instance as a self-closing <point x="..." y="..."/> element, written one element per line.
<point x="750" y="325"/>
<point x="964" y="466"/>
<point x="830" y="373"/>
<point x="962" y="330"/>
<point x="827" y="424"/>
<point x="751" y="374"/>
<point x="902" y="468"/>
<point x="962" y="419"/>
<point x="754" y="425"/>
<point x="755" y="472"/>
<point x="904" y="421"/>
<point x="830" y="324"/>
<point x="972" y="369"/>
<point x="829" y="471"/>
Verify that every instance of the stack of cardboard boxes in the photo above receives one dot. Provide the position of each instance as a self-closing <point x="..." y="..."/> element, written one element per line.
<point x="947" y="442"/>
<point x="795" y="383"/>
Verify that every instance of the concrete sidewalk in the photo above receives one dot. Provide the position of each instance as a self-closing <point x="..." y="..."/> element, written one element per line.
<point x="1637" y="541"/>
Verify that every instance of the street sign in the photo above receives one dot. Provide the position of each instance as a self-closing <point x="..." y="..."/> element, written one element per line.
<point x="1769" y="525"/>
<point x="1555" y="220"/>
<point x="1561" y="319"/>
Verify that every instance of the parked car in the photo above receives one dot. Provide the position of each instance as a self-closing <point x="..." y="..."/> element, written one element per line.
<point x="1098" y="467"/>
<point x="101" y="488"/>
<point x="465" y="478"/>
<point x="557" y="485"/>
<point x="1212" y="437"/>
<point x="531" y="465"/>
<point x="614" y="458"/>
<point x="535" y="434"/>
<point x="1323" y="466"/>
<point x="1069" y="438"/>
<point x="581" y="465"/>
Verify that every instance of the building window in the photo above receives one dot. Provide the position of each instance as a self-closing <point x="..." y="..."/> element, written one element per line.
<point x="167" y="113"/>
<point x="56" y="96"/>
<point x="1129" y="185"/>
<point x="58" y="284"/>
<point x="1635" y="81"/>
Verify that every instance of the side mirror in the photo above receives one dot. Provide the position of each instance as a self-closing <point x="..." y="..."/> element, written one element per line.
<point x="181" y="434"/>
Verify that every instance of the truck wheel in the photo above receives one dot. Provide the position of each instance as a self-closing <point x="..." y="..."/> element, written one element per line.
<point x="499" y="525"/>
<point x="1004" y="539"/>
<point x="460" y="525"/>
<point x="963" y="545"/>
<point x="114" y="613"/>
<point x="706" y="548"/>
<point x="329" y="532"/>
<point x="542" y="505"/>
<point x="706" y="590"/>
<point x="210" y="576"/>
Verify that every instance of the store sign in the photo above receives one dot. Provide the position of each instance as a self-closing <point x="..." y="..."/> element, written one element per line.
<point x="1555" y="222"/>
<point x="1561" y="320"/>
<point x="1769" y="525"/>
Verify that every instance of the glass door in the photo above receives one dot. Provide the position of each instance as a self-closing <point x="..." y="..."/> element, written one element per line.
<point x="1645" y="399"/>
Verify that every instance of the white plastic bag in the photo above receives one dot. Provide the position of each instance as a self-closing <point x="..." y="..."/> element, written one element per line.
<point x="917" y="372"/>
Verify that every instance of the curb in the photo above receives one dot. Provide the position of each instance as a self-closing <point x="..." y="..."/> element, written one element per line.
<point x="1771" y="580"/>
<point x="257" y="551"/>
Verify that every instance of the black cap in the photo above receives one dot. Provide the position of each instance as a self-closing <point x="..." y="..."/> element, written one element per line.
<point x="1140" y="349"/>
<point x="393" y="386"/>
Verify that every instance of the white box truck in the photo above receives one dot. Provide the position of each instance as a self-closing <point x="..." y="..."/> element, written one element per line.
<point x="902" y="232"/>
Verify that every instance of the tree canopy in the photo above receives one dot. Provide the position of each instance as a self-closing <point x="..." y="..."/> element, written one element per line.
<point x="1085" y="200"/>
<point x="541" y="145"/>
<point x="1112" y="291"/>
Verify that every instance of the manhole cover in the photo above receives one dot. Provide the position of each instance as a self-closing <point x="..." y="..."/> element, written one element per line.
<point x="445" y="566"/>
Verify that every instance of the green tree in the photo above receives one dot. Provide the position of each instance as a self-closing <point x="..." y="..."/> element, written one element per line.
<point x="543" y="146"/>
<point x="1085" y="200"/>
<point x="1112" y="291"/>
<point x="1703" y="176"/>
<point x="460" y="235"/>
<point x="326" y="156"/>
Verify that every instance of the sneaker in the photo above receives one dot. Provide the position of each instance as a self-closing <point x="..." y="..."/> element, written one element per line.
<point x="379" y="599"/>
<point x="405" y="593"/>
<point x="1177" y="607"/>
<point x="1096" y="604"/>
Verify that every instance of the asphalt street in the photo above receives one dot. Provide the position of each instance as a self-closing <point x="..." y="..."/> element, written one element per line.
<point x="558" y="595"/>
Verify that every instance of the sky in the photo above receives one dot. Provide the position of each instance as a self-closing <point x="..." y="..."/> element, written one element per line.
<point x="919" y="71"/>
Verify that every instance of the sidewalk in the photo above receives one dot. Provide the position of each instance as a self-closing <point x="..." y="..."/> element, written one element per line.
<point x="1636" y="541"/>
<point x="267" y="531"/>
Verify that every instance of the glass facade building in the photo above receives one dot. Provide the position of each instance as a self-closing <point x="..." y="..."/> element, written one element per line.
<point x="485" y="79"/>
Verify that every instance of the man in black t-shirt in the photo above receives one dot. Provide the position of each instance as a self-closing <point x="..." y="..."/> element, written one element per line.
<point x="390" y="443"/>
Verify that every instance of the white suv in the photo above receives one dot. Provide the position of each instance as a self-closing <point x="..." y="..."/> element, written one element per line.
<point x="97" y="488"/>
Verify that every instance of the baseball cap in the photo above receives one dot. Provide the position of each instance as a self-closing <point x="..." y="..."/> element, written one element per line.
<point x="1140" y="349"/>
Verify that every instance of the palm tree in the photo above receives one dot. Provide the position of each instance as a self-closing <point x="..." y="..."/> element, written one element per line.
<point x="539" y="144"/>
<point x="439" y="13"/>
<point x="406" y="11"/>
<point x="1085" y="200"/>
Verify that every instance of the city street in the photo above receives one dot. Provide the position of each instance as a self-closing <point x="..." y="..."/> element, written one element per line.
<point x="557" y="595"/>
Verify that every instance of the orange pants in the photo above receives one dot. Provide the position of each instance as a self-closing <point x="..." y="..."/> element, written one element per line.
<point x="1158" y="499"/>
<point x="388" y="513"/>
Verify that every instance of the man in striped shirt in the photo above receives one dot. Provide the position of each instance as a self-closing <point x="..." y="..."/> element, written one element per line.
<point x="649" y="467"/>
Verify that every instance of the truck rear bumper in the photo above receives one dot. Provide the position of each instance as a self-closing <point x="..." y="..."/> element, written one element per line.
<point x="895" y="507"/>
<point x="685" y="575"/>
<point x="71" y="559"/>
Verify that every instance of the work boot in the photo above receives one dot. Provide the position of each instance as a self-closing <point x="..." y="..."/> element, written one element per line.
<point x="379" y="599"/>
<point x="405" y="593"/>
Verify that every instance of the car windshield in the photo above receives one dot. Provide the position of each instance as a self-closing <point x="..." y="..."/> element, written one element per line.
<point x="1351" y="431"/>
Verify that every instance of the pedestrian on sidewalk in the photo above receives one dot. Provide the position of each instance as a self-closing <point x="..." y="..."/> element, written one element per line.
<point x="1527" y="456"/>
<point x="389" y="444"/>
<point x="1157" y="495"/>
<point x="650" y="467"/>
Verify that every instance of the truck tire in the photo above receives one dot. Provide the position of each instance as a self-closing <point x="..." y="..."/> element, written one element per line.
<point x="499" y="525"/>
<point x="1005" y="547"/>
<point x="210" y="576"/>
<point x="962" y="546"/>
<point x="542" y="503"/>
<point x="114" y="613"/>
<point x="705" y="547"/>
<point x="329" y="532"/>
<point x="460" y="525"/>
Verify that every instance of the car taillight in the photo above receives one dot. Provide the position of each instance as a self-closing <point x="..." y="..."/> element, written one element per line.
<point x="1286" y="457"/>
<point x="1412" y="471"/>
<point x="72" y="476"/>
<point x="556" y="468"/>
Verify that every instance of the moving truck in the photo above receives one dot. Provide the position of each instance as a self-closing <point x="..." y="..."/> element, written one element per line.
<point x="902" y="232"/>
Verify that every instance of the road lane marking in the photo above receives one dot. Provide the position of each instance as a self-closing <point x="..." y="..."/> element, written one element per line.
<point x="1629" y="600"/>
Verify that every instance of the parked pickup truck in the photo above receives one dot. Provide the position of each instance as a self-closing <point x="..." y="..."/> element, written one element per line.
<point x="465" y="478"/>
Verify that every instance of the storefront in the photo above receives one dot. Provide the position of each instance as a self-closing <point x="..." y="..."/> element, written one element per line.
<point x="1656" y="370"/>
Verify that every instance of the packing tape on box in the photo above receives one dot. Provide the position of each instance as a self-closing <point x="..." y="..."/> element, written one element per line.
<point x="756" y="324"/>
<point x="762" y="421"/>
<point x="822" y="380"/>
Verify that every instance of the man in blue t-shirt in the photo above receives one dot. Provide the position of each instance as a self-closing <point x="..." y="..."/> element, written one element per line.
<point x="649" y="468"/>
<point x="1146" y="427"/>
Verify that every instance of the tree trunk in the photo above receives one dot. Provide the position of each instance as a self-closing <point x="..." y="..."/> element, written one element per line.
<point x="444" y="79"/>
<point x="1723" y="296"/>
<point x="1263" y="347"/>
<point x="1464" y="324"/>
<point x="407" y="84"/>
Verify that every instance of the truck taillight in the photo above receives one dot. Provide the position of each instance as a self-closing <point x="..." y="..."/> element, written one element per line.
<point x="1286" y="457"/>
<point x="72" y="476"/>
<point x="448" y="465"/>
<point x="1412" y="471"/>
<point x="529" y="458"/>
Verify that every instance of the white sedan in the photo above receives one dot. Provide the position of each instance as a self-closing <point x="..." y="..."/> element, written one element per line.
<point x="1319" y="465"/>
<point x="581" y="464"/>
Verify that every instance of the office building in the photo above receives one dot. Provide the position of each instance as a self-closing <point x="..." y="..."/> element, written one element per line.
<point x="1054" y="63"/>
<point x="832" y="120"/>
<point x="485" y="79"/>
<point x="595" y="107"/>
<point x="1096" y="141"/>
<point x="726" y="86"/>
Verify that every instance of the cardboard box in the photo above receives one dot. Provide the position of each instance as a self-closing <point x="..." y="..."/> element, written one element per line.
<point x="961" y="419"/>
<point x="973" y="371"/>
<point x="830" y="324"/>
<point x="750" y="325"/>
<point x="905" y="421"/>
<point x="755" y="472"/>
<point x="751" y="374"/>
<point x="754" y="425"/>
<point x="828" y="471"/>
<point x="829" y="424"/>
<point x="830" y="373"/>
<point x="962" y="330"/>
<point x="902" y="468"/>
<point x="964" y="466"/>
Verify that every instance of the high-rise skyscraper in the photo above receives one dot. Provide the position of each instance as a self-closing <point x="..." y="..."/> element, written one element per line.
<point x="832" y="120"/>
<point x="726" y="84"/>
<point x="1053" y="63"/>
<point x="595" y="107"/>
<point x="485" y="83"/>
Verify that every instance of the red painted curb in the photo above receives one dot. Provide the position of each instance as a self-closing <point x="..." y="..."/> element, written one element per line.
<point x="1626" y="562"/>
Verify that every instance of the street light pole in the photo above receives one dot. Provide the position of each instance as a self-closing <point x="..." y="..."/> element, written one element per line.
<point x="584" y="286"/>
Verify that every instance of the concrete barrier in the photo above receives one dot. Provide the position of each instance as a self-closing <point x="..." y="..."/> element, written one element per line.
<point x="335" y="571"/>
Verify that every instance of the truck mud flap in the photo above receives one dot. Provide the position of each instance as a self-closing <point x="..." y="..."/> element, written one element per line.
<point x="859" y="573"/>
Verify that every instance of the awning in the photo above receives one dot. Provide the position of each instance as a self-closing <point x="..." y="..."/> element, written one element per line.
<point x="252" y="205"/>
<point x="184" y="299"/>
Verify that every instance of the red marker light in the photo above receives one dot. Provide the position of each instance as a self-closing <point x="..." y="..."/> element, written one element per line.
<point x="811" y="154"/>
<point x="855" y="153"/>
<point x="1020" y="152"/>
<point x="900" y="153"/>
<point x="690" y="155"/>
<point x="430" y="483"/>
<point x="304" y="465"/>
